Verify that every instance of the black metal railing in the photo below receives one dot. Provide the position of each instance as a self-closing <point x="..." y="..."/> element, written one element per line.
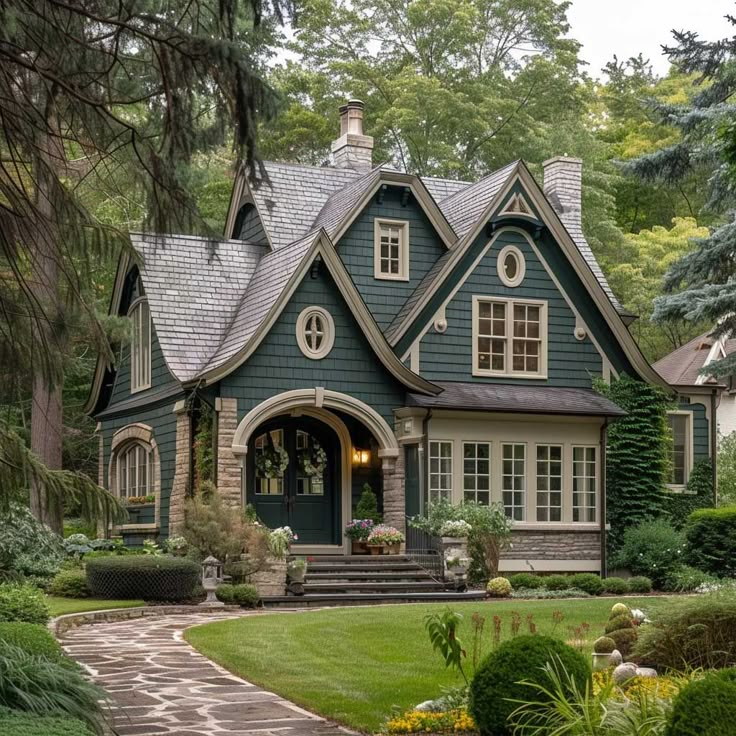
<point x="425" y="549"/>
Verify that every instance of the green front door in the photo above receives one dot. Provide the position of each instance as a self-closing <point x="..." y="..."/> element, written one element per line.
<point x="292" y="478"/>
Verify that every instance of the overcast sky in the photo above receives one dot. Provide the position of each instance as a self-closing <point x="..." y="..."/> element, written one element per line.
<point x="627" y="27"/>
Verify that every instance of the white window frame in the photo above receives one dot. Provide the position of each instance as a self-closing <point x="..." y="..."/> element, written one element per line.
<point x="328" y="336"/>
<point x="585" y="507"/>
<point x="689" y="447"/>
<point x="475" y="475"/>
<point x="123" y="467"/>
<point x="140" y="354"/>
<point x="403" y="226"/>
<point x="439" y="473"/>
<point x="548" y="491"/>
<point x="509" y="339"/>
<point x="520" y="260"/>
<point x="524" y="491"/>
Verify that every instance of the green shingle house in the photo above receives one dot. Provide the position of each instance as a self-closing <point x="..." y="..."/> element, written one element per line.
<point x="435" y="339"/>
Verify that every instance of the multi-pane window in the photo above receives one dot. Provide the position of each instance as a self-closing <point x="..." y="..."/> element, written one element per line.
<point x="315" y="332"/>
<point x="513" y="480"/>
<point x="268" y="460"/>
<point x="509" y="337"/>
<point x="140" y="346"/>
<point x="680" y="455"/>
<point x="312" y="463"/>
<point x="440" y="471"/>
<point x="549" y="483"/>
<point x="392" y="250"/>
<point x="477" y="472"/>
<point x="583" y="484"/>
<point x="134" y="471"/>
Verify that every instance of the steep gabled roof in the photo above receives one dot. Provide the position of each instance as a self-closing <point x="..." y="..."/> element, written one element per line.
<point x="682" y="366"/>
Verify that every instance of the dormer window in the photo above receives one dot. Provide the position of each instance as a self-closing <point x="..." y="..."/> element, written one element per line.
<point x="140" y="345"/>
<point x="391" y="259"/>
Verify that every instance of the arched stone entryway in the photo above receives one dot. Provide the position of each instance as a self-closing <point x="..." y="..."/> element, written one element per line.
<point x="326" y="406"/>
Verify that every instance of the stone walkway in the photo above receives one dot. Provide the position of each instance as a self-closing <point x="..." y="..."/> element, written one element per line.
<point x="160" y="685"/>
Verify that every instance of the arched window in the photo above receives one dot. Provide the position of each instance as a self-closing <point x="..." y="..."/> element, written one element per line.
<point x="134" y="470"/>
<point x="140" y="345"/>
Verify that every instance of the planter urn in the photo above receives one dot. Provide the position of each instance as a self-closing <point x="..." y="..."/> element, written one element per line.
<point x="359" y="547"/>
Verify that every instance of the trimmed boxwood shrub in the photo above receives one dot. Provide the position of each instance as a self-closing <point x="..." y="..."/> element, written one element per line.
<point x="705" y="707"/>
<point x="557" y="582"/>
<point x="711" y="540"/>
<point x="587" y="581"/>
<point x="23" y="603"/>
<point x="625" y="640"/>
<point x="151" y="577"/>
<point x="639" y="584"/>
<point x="496" y="682"/>
<point x="616" y="586"/>
<point x="71" y="583"/>
<point x="691" y="633"/>
<point x="31" y="638"/>
<point x="239" y="595"/>
<point x="18" y="723"/>
<point x="622" y="621"/>
<point x="526" y="580"/>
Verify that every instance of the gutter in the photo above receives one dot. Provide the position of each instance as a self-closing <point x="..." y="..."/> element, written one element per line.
<point x="424" y="461"/>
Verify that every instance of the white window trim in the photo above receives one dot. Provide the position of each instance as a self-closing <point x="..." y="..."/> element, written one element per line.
<point x="506" y="250"/>
<point x="543" y="331"/>
<point x="136" y="361"/>
<point x="403" y="274"/>
<point x="537" y="490"/>
<point x="598" y="460"/>
<point x="490" y="469"/>
<point x="451" y="473"/>
<point x="328" y="340"/>
<point x="123" y="453"/>
<point x="524" y="506"/>
<point x="689" y="451"/>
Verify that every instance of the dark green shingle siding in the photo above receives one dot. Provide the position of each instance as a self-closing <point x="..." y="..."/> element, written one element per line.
<point x="448" y="356"/>
<point x="384" y="298"/>
<point x="700" y="428"/>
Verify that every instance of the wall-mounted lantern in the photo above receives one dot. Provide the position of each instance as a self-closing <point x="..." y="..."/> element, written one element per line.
<point x="361" y="457"/>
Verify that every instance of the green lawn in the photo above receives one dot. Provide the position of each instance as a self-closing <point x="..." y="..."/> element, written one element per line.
<point x="355" y="664"/>
<point x="61" y="606"/>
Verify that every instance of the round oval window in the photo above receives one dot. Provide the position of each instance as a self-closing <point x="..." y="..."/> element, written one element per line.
<point x="511" y="266"/>
<point x="315" y="332"/>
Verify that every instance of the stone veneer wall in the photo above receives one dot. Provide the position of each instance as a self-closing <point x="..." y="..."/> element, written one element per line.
<point x="228" y="466"/>
<point x="181" y="481"/>
<point x="554" y="545"/>
<point x="394" y="503"/>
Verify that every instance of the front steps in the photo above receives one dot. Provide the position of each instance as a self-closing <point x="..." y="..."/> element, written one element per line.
<point x="367" y="579"/>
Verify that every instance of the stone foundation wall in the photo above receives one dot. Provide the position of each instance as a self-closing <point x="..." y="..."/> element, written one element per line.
<point x="271" y="580"/>
<point x="554" y="545"/>
<point x="181" y="480"/>
<point x="228" y="467"/>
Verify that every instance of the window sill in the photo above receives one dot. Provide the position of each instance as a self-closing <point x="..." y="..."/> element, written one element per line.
<point x="556" y="526"/>
<point x="680" y="489"/>
<point x="137" y="528"/>
<point x="384" y="277"/>
<point x="138" y="389"/>
<point x="480" y="373"/>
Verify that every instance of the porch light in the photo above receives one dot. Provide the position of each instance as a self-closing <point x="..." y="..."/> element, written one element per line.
<point x="361" y="457"/>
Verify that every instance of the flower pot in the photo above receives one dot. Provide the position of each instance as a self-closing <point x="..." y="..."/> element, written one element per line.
<point x="601" y="661"/>
<point x="296" y="576"/>
<point x="375" y="549"/>
<point x="359" y="547"/>
<point x="392" y="549"/>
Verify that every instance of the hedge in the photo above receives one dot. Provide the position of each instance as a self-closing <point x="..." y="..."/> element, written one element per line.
<point x="18" y="723"/>
<point x="32" y="638"/>
<point x="23" y="603"/>
<point x="711" y="540"/>
<point x="151" y="577"/>
<point x="705" y="707"/>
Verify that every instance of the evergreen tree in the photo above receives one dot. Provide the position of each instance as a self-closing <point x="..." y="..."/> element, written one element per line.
<point x="706" y="127"/>
<point x="101" y="93"/>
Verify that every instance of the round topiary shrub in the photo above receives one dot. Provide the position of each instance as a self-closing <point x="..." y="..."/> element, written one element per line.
<point x="640" y="584"/>
<point x="23" y="603"/>
<point x="615" y="586"/>
<point x="151" y="577"/>
<point x="496" y="682"/>
<point x="587" y="581"/>
<point x="604" y="645"/>
<point x="622" y="621"/>
<point x="557" y="582"/>
<point x="31" y="638"/>
<point x="625" y="640"/>
<point x="70" y="584"/>
<point x="619" y="608"/>
<point x="499" y="588"/>
<point x="526" y="581"/>
<point x="705" y="707"/>
<point x="238" y="595"/>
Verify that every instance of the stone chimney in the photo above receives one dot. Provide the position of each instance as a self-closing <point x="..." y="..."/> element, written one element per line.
<point x="563" y="179"/>
<point x="352" y="150"/>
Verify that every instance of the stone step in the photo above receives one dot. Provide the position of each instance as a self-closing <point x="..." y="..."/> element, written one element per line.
<point x="373" y="587"/>
<point x="364" y="567"/>
<point x="367" y="575"/>
<point x="324" y="600"/>
<point x="355" y="559"/>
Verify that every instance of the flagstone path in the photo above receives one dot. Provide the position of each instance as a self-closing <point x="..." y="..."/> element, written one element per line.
<point x="160" y="685"/>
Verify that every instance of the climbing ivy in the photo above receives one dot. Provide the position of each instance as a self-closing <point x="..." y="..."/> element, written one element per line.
<point x="699" y="494"/>
<point x="637" y="458"/>
<point x="204" y="453"/>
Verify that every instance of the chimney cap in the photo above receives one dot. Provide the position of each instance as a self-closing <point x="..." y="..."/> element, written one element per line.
<point x="352" y="105"/>
<point x="570" y="160"/>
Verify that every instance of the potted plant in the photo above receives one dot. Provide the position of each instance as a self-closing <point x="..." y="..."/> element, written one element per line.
<point x="455" y="531"/>
<point x="296" y="570"/>
<point x="603" y="653"/>
<point x="384" y="539"/>
<point x="456" y="562"/>
<point x="357" y="532"/>
<point x="141" y="509"/>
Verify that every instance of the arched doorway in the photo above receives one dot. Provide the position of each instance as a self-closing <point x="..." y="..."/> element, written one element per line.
<point x="294" y="477"/>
